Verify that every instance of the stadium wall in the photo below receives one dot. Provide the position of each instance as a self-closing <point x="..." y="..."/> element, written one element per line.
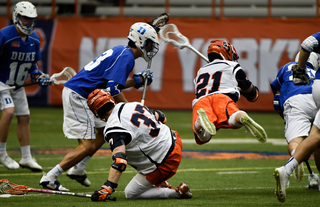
<point x="263" y="45"/>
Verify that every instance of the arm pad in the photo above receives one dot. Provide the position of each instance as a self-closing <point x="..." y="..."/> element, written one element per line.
<point x="119" y="161"/>
<point x="253" y="95"/>
<point x="276" y="102"/>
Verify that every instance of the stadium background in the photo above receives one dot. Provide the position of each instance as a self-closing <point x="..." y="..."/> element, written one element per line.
<point x="266" y="34"/>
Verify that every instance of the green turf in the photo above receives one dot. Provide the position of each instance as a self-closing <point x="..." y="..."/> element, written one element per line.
<point x="227" y="182"/>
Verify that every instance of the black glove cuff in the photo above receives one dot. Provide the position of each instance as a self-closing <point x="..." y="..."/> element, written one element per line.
<point x="111" y="184"/>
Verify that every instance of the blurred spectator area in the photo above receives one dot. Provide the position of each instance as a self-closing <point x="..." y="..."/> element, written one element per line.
<point x="176" y="8"/>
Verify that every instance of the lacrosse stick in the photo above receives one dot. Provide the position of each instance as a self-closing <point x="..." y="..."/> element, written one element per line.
<point x="7" y="187"/>
<point x="145" y="83"/>
<point x="159" y="21"/>
<point x="57" y="78"/>
<point x="170" y="33"/>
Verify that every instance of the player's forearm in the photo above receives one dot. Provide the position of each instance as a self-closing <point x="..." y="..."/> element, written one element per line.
<point x="303" y="58"/>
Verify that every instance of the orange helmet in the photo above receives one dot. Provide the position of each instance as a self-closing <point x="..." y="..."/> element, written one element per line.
<point x="223" y="48"/>
<point x="98" y="99"/>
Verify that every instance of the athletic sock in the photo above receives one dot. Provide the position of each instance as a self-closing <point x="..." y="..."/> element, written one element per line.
<point x="291" y="165"/>
<point x="3" y="146"/>
<point x="56" y="171"/>
<point x="82" y="164"/>
<point x="25" y="151"/>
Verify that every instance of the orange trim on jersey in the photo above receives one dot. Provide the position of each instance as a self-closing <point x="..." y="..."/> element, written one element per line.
<point x="219" y="108"/>
<point x="169" y="167"/>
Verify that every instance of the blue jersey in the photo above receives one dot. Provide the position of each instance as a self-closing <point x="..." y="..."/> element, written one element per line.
<point x="284" y="83"/>
<point x="17" y="57"/>
<point x="115" y="64"/>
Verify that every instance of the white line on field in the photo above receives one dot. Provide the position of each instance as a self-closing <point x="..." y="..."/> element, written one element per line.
<point x="238" y="141"/>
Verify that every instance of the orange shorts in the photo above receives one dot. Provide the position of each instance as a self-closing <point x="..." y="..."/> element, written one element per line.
<point x="169" y="167"/>
<point x="219" y="108"/>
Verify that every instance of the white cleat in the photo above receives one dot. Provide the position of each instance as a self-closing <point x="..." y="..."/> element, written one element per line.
<point x="8" y="162"/>
<point x="313" y="180"/>
<point x="31" y="163"/>
<point x="51" y="182"/>
<point x="255" y="129"/>
<point x="184" y="191"/>
<point x="79" y="175"/>
<point x="282" y="179"/>
<point x="298" y="173"/>
<point x="203" y="120"/>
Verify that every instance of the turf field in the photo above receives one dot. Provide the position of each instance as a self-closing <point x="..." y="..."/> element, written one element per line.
<point x="225" y="172"/>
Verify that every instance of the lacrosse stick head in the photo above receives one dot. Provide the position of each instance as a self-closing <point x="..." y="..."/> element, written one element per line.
<point x="145" y="38"/>
<point x="66" y="74"/>
<point x="224" y="49"/>
<point x="170" y="33"/>
<point x="159" y="21"/>
<point x="100" y="102"/>
<point x="7" y="187"/>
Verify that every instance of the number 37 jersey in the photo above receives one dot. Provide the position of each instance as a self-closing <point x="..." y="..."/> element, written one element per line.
<point x="148" y="141"/>
<point x="218" y="76"/>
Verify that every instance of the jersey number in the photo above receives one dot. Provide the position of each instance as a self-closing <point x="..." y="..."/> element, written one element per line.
<point x="22" y="72"/>
<point x="94" y="63"/>
<point x="203" y="81"/>
<point x="138" y="118"/>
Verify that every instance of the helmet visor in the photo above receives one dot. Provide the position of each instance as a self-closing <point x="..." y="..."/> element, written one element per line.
<point x="27" y="23"/>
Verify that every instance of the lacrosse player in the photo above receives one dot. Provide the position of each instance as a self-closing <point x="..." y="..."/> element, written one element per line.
<point x="311" y="144"/>
<point x="19" y="53"/>
<point x="110" y="71"/>
<point x="296" y="106"/>
<point x="218" y="86"/>
<point x="138" y="136"/>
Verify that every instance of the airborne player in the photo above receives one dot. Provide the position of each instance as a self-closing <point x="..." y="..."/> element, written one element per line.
<point x="218" y="86"/>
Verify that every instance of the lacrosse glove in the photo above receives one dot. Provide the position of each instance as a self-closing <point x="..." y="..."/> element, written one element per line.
<point x="144" y="75"/>
<point x="44" y="80"/>
<point x="300" y="76"/>
<point x="162" y="118"/>
<point x="103" y="194"/>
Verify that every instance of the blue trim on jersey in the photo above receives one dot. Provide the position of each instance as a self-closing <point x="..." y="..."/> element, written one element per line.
<point x="14" y="52"/>
<point x="284" y="83"/>
<point x="115" y="64"/>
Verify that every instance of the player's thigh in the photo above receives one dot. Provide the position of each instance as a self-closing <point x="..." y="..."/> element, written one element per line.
<point x="78" y="120"/>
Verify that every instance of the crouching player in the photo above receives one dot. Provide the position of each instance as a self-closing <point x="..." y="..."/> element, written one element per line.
<point x="138" y="136"/>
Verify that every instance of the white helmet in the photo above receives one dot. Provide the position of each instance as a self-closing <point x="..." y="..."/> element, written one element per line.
<point x="313" y="60"/>
<point x="24" y="16"/>
<point x="145" y="38"/>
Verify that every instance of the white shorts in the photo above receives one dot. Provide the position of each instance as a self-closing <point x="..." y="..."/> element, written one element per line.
<point x="14" y="98"/>
<point x="78" y="120"/>
<point x="299" y="112"/>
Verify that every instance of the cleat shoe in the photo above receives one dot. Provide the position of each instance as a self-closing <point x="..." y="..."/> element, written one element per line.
<point x="255" y="129"/>
<point x="79" y="175"/>
<point x="51" y="182"/>
<point x="207" y="125"/>
<point x="298" y="172"/>
<point x="313" y="180"/>
<point x="31" y="163"/>
<point x="166" y="185"/>
<point x="282" y="179"/>
<point x="8" y="162"/>
<point x="184" y="191"/>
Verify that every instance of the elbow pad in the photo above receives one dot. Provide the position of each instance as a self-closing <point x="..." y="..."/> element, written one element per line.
<point x="276" y="103"/>
<point x="119" y="161"/>
<point x="253" y="95"/>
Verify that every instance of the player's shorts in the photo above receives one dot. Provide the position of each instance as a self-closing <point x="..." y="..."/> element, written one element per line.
<point x="14" y="98"/>
<point x="78" y="120"/>
<point x="169" y="167"/>
<point x="219" y="108"/>
<point x="299" y="112"/>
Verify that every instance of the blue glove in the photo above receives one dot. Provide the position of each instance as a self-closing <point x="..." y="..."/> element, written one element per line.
<point x="44" y="80"/>
<point x="143" y="74"/>
<point x="276" y="103"/>
<point x="113" y="88"/>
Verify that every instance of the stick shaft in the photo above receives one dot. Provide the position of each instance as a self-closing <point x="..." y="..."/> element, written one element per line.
<point x="60" y="192"/>
<point x="308" y="166"/>
<point x="145" y="83"/>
